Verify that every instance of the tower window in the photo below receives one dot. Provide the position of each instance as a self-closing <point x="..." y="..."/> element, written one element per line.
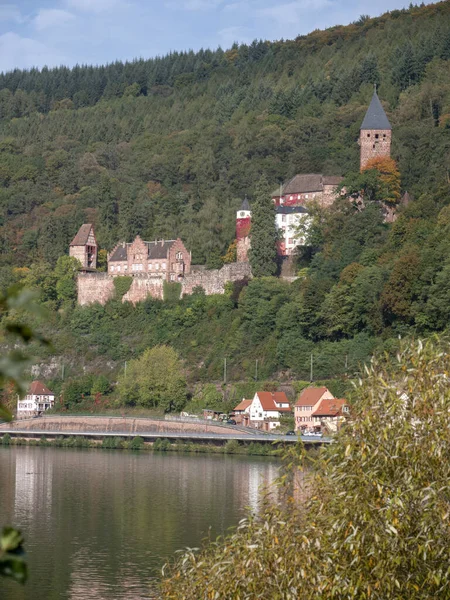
<point x="376" y="136"/>
<point x="242" y="214"/>
<point x="368" y="135"/>
<point x="384" y="135"/>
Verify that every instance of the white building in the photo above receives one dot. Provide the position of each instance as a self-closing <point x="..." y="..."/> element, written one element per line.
<point x="38" y="400"/>
<point x="288" y="219"/>
<point x="266" y="409"/>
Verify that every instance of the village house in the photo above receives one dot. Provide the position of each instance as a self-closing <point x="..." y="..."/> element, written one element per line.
<point x="168" y="260"/>
<point x="265" y="410"/>
<point x="304" y="189"/>
<point x="241" y="414"/>
<point x="38" y="400"/>
<point x="330" y="414"/>
<point x="307" y="403"/>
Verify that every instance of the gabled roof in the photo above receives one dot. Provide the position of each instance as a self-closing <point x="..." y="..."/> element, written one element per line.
<point x="329" y="408"/>
<point x="243" y="405"/>
<point x="245" y="204"/>
<point x="81" y="239"/>
<point x="375" y="116"/>
<point x="311" y="395"/>
<point x="268" y="400"/>
<point x="304" y="183"/>
<point x="332" y="179"/>
<point x="157" y="249"/>
<point x="39" y="389"/>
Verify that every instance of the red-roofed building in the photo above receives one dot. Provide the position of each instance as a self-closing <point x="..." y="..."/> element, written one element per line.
<point x="330" y="413"/>
<point x="241" y="414"/>
<point x="266" y="409"/>
<point x="38" y="400"/>
<point x="307" y="403"/>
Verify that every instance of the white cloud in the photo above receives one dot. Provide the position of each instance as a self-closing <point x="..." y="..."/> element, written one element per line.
<point x="24" y="53"/>
<point x="10" y="12"/>
<point x="95" y="6"/>
<point x="228" y="35"/>
<point x="194" y="5"/>
<point x="292" y="13"/>
<point x="52" y="17"/>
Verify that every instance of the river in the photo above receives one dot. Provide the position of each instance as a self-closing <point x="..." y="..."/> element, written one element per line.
<point x="99" y="524"/>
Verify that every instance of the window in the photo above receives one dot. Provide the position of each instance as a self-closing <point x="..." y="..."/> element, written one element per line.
<point x="164" y="266"/>
<point x="179" y="256"/>
<point x="283" y="218"/>
<point x="172" y="277"/>
<point x="150" y="266"/>
<point x="376" y="136"/>
<point x="368" y="135"/>
<point x="112" y="268"/>
<point x="118" y="267"/>
<point x="157" y="266"/>
<point x="125" y="268"/>
<point x="242" y="214"/>
<point x="306" y="195"/>
<point x="291" y="197"/>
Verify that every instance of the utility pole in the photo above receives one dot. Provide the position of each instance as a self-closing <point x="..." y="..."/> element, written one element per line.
<point x="346" y="363"/>
<point x="225" y="370"/>
<point x="125" y="368"/>
<point x="256" y="370"/>
<point x="311" y="371"/>
<point x="62" y="372"/>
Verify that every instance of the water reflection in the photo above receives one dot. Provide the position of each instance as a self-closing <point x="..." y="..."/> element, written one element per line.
<point x="100" y="524"/>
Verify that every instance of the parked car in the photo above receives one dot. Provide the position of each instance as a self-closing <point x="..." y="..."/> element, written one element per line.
<point x="231" y="422"/>
<point x="291" y="433"/>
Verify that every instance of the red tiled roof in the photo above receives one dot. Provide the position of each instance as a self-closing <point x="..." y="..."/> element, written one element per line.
<point x="311" y="395"/>
<point x="330" y="408"/>
<point x="39" y="389"/>
<point x="82" y="236"/>
<point x="243" y="405"/>
<point x="268" y="400"/>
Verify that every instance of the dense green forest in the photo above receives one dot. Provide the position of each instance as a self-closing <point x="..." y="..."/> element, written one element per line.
<point x="169" y="146"/>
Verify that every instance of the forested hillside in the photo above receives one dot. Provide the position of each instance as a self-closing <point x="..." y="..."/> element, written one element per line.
<point x="169" y="146"/>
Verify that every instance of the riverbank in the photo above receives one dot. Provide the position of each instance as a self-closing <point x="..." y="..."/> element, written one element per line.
<point x="138" y="444"/>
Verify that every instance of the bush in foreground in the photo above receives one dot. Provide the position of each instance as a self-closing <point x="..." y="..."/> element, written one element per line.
<point x="376" y="522"/>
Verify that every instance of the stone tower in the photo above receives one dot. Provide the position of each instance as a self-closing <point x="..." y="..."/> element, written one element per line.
<point x="243" y="225"/>
<point x="375" y="133"/>
<point x="84" y="247"/>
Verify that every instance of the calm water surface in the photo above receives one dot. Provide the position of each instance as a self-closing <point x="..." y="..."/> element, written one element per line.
<point x="99" y="524"/>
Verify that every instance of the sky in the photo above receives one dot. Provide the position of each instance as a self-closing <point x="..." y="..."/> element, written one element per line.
<point x="34" y="33"/>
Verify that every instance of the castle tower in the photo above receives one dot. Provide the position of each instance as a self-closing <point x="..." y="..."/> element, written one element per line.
<point x="84" y="247"/>
<point x="375" y="133"/>
<point x="243" y="225"/>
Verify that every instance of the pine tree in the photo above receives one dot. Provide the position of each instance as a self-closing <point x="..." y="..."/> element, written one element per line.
<point x="263" y="252"/>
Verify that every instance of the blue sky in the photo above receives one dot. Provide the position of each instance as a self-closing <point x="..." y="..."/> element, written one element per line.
<point x="54" y="32"/>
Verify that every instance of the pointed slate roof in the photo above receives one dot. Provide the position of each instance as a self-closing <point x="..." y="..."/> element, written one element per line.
<point x="375" y="116"/>
<point x="245" y="204"/>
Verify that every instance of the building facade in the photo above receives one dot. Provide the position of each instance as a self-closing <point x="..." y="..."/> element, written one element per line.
<point x="243" y="225"/>
<point x="38" y="400"/>
<point x="302" y="190"/>
<point x="307" y="403"/>
<point x="166" y="260"/>
<point x="266" y="409"/>
<point x="84" y="247"/>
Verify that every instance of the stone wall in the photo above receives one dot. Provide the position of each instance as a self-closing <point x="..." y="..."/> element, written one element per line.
<point x="144" y="286"/>
<point x="99" y="287"/>
<point x="95" y="287"/>
<point x="242" y="248"/>
<point x="213" y="282"/>
<point x="373" y="146"/>
<point x="79" y="252"/>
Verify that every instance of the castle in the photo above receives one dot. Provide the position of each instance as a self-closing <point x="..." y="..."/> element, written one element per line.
<point x="153" y="264"/>
<point x="292" y="198"/>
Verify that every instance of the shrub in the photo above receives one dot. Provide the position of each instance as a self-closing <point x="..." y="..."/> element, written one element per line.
<point x="121" y="285"/>
<point x="137" y="443"/>
<point x="232" y="447"/>
<point x="6" y="439"/>
<point x="171" y="291"/>
<point x="375" y="523"/>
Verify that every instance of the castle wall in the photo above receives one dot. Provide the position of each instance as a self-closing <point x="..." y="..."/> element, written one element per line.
<point x="374" y="143"/>
<point x="99" y="287"/>
<point x="213" y="282"/>
<point x="144" y="286"/>
<point x="242" y="248"/>
<point x="94" y="287"/>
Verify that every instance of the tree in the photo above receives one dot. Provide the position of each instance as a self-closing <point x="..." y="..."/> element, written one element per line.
<point x="65" y="273"/>
<point x="389" y="177"/>
<point x="263" y="252"/>
<point x="154" y="379"/>
<point x="369" y="521"/>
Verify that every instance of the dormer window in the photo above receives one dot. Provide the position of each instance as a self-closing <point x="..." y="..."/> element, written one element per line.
<point x="179" y="256"/>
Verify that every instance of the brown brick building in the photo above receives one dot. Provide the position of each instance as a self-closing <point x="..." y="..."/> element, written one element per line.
<point x="168" y="260"/>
